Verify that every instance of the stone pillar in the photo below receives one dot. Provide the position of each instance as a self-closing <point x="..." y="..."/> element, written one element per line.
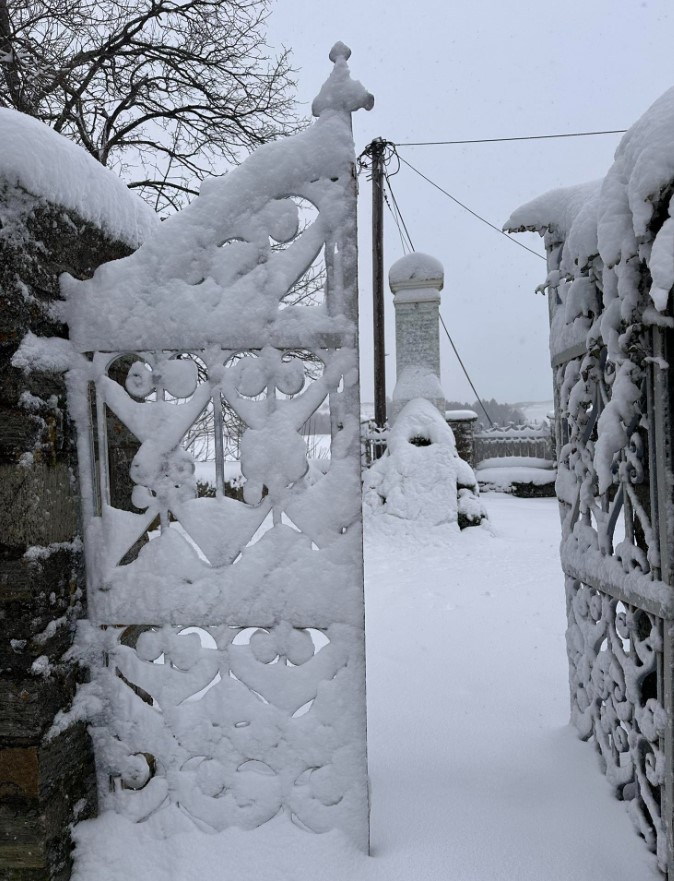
<point x="462" y="423"/>
<point x="46" y="783"/>
<point x="416" y="281"/>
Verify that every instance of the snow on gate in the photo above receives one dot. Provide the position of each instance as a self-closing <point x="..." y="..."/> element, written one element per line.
<point x="610" y="277"/>
<point x="225" y="638"/>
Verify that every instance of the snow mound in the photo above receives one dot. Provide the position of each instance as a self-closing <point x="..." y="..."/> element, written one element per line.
<point x="569" y="214"/>
<point x="502" y="462"/>
<point x="41" y="161"/>
<point x="502" y="478"/>
<point x="461" y="415"/>
<point x="421" y="478"/>
<point x="418" y="382"/>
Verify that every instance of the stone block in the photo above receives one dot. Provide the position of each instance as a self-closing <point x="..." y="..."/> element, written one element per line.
<point x="28" y="705"/>
<point x="37" y="504"/>
<point x="43" y="790"/>
<point x="19" y="777"/>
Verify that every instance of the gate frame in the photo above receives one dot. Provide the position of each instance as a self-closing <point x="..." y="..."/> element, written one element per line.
<point x="597" y="572"/>
<point x="122" y="646"/>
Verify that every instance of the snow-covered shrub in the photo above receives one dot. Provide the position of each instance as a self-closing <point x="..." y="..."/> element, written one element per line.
<point x="421" y="477"/>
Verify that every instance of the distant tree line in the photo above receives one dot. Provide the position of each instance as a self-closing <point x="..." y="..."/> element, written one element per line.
<point x="501" y="414"/>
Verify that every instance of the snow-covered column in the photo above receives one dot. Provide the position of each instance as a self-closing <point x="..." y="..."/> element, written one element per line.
<point x="416" y="281"/>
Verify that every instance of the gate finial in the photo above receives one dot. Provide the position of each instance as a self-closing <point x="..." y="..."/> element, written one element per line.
<point x="339" y="92"/>
<point x="339" y="50"/>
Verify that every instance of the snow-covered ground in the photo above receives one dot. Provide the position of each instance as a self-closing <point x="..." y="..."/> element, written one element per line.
<point x="475" y="774"/>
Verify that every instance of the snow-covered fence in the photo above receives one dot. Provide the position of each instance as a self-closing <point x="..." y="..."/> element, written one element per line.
<point x="226" y="640"/>
<point x="526" y="441"/>
<point x="373" y="442"/>
<point x="48" y="224"/>
<point x="611" y="269"/>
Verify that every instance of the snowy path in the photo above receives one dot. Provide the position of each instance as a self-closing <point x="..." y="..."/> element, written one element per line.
<point x="475" y="775"/>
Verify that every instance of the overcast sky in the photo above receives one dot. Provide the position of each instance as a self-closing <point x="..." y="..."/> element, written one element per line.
<point x="443" y="70"/>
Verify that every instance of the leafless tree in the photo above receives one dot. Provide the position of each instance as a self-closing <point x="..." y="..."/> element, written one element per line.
<point x="164" y="91"/>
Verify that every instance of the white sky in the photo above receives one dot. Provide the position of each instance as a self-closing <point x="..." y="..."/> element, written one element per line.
<point x="479" y="69"/>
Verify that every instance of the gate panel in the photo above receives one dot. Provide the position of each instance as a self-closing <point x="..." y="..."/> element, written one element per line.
<point x="619" y="609"/>
<point x="226" y="637"/>
<point x="609" y="283"/>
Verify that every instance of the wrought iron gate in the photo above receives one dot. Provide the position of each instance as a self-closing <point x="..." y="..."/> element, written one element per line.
<point x="616" y="560"/>
<point x="612" y="348"/>
<point x="226" y="637"/>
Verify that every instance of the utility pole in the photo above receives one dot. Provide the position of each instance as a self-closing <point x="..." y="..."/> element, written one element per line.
<point x="376" y="150"/>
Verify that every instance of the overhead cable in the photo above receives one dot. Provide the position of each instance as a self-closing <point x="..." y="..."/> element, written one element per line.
<point x="458" y="357"/>
<point x="470" y="210"/>
<point x="618" y="131"/>
<point x="397" y="208"/>
<point x="404" y="244"/>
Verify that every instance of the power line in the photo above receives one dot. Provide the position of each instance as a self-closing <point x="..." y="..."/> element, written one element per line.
<point x="618" y="131"/>
<point x="397" y="207"/>
<point x="477" y="397"/>
<point x="458" y="357"/>
<point x="470" y="210"/>
<point x="397" y="223"/>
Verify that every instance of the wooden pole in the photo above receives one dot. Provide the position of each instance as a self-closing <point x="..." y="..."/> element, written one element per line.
<point x="378" y="147"/>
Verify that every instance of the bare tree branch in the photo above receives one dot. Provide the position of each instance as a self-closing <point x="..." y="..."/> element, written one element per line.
<point x="194" y="78"/>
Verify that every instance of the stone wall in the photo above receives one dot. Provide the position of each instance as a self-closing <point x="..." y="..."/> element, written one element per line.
<point x="45" y="784"/>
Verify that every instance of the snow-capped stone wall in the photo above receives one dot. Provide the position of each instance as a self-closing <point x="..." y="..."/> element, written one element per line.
<point x="36" y="159"/>
<point x="48" y="225"/>
<point x="610" y="251"/>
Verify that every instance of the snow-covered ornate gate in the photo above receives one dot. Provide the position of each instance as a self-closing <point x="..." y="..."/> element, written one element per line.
<point x="610" y="250"/>
<point x="614" y="486"/>
<point x="225" y="637"/>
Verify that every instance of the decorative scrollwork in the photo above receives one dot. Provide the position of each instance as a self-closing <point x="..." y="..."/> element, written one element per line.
<point x="224" y="714"/>
<point x="614" y="653"/>
<point x="228" y="655"/>
<point x="610" y="548"/>
<point x="234" y="716"/>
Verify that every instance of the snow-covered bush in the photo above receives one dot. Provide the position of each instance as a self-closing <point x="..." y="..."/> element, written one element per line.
<point x="421" y="477"/>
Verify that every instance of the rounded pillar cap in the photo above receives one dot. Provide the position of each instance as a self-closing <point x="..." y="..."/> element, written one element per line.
<point x="416" y="272"/>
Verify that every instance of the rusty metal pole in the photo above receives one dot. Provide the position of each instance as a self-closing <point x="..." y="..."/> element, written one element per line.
<point x="378" y="147"/>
